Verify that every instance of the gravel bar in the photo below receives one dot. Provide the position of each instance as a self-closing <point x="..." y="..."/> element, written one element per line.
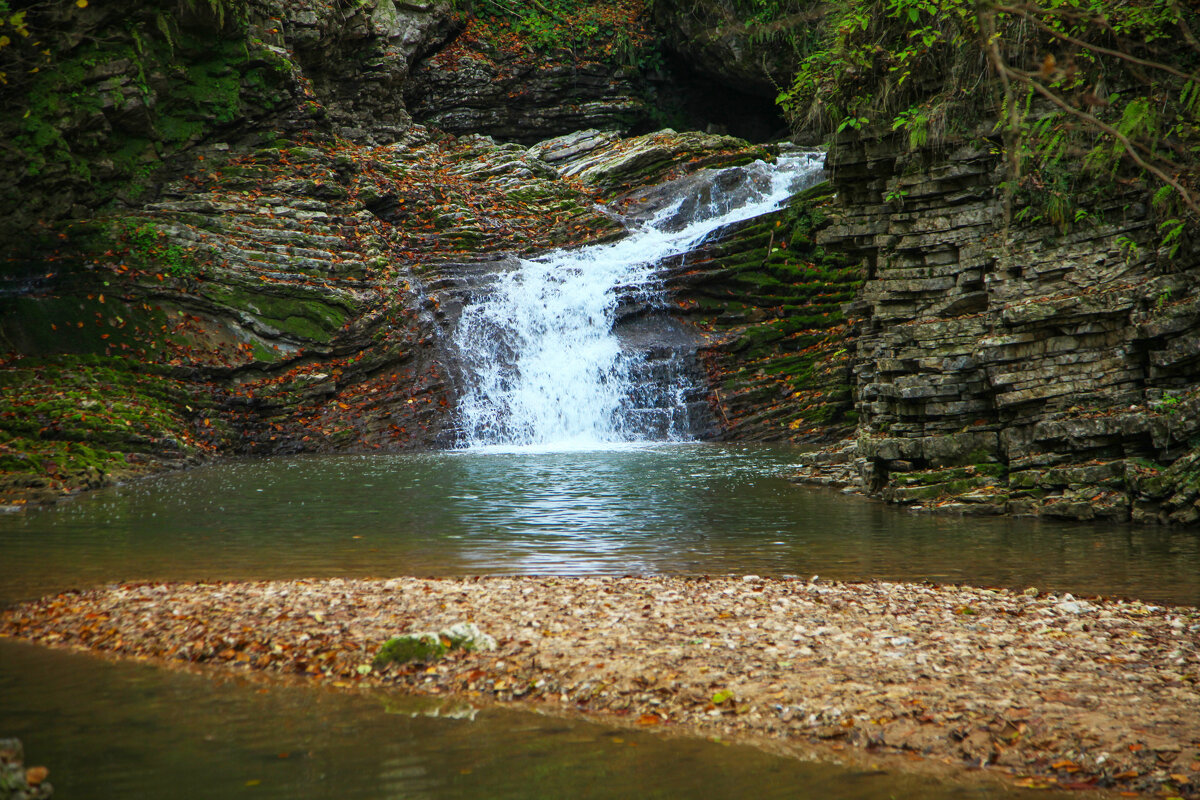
<point x="1051" y="690"/>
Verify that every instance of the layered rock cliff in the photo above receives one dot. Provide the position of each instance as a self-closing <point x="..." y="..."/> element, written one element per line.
<point x="1003" y="366"/>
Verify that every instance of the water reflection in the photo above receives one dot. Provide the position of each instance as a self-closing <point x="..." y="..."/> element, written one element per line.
<point x="690" y="509"/>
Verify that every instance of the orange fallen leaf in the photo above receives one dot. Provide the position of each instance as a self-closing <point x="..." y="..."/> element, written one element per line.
<point x="649" y="719"/>
<point x="35" y="775"/>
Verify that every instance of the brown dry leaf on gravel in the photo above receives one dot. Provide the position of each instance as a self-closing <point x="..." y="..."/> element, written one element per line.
<point x="1058" y="691"/>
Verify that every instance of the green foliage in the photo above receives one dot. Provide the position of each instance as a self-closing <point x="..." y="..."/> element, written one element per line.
<point x="780" y="26"/>
<point x="915" y="120"/>
<point x="1168" y="404"/>
<point x="878" y="58"/>
<point x="1113" y="88"/>
<point x="1129" y="247"/>
<point x="1172" y="235"/>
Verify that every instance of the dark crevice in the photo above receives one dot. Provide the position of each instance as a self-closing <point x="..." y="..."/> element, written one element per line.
<point x="689" y="100"/>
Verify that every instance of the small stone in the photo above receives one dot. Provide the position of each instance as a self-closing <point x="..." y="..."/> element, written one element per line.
<point x="1074" y="606"/>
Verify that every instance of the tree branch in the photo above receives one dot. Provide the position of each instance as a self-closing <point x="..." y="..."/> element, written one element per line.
<point x="1120" y="137"/>
<point x="1094" y="47"/>
<point x="1012" y="137"/>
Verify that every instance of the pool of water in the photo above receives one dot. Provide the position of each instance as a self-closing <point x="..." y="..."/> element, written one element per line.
<point x="680" y="509"/>
<point x="131" y="730"/>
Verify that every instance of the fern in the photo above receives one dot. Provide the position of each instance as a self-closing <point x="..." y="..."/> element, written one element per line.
<point x="1189" y="98"/>
<point x="164" y="26"/>
<point x="1162" y="198"/>
<point x="1138" y="119"/>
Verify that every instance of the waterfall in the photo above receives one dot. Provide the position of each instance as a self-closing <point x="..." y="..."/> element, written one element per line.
<point x="541" y="362"/>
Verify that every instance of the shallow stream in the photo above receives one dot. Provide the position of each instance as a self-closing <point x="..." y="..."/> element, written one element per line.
<point x="131" y="730"/>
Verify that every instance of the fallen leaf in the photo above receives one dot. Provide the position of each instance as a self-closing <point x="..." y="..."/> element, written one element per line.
<point x="35" y="775"/>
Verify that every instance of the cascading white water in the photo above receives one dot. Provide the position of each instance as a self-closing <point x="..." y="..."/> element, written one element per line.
<point x="542" y="364"/>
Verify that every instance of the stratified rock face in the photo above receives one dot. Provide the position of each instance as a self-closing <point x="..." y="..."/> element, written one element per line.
<point x="769" y="303"/>
<point x="473" y="86"/>
<point x="1018" y="367"/>
<point x="613" y="165"/>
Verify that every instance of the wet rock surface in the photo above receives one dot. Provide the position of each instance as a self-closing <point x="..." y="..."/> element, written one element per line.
<point x="1052" y="690"/>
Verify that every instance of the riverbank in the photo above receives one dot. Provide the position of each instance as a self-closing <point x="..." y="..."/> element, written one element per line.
<point x="1052" y="690"/>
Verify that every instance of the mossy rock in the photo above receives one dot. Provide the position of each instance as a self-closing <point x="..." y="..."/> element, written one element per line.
<point x="418" y="647"/>
<point x="430" y="646"/>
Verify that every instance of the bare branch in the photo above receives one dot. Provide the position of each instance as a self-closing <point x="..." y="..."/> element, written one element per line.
<point x="1120" y="137"/>
<point x="1094" y="47"/>
<point x="1012" y="134"/>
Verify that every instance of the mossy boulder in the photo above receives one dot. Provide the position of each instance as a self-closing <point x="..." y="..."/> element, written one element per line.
<point x="426" y="646"/>
<point x="419" y="647"/>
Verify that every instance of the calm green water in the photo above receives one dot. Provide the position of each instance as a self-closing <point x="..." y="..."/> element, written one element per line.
<point x="129" y="730"/>
<point x="692" y="509"/>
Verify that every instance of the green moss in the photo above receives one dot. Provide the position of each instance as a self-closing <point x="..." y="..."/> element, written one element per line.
<point x="969" y="476"/>
<point x="308" y="314"/>
<point x="418" y="647"/>
<point x="55" y="114"/>
<point x="70" y="421"/>
<point x="782" y="297"/>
